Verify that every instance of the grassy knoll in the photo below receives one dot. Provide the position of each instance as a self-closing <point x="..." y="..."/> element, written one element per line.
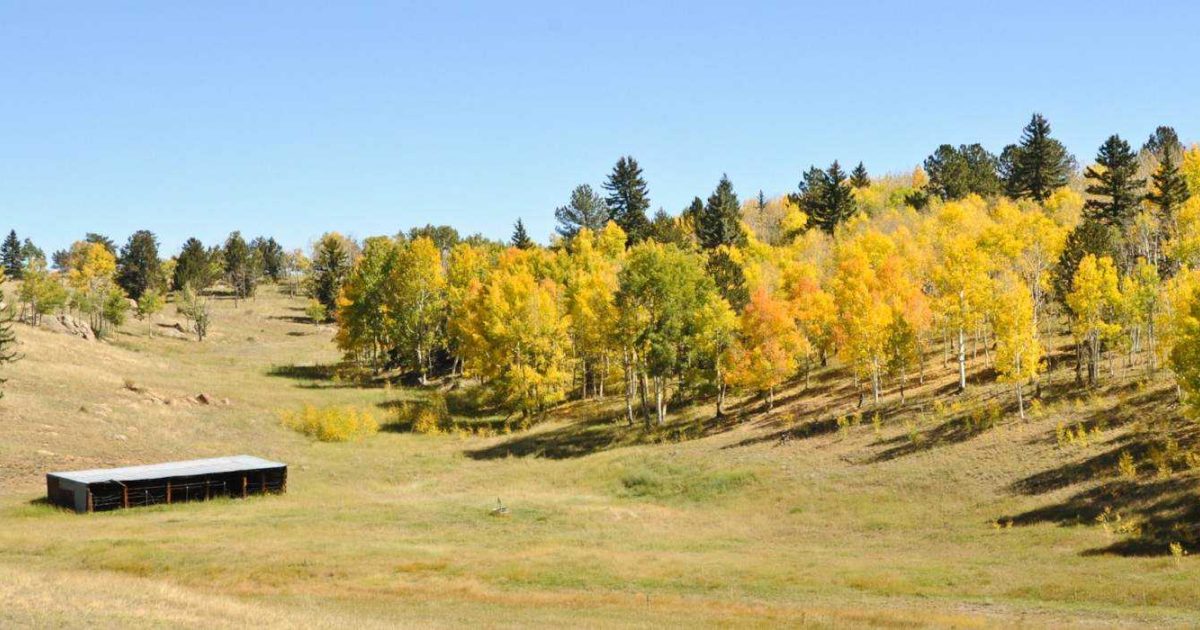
<point x="955" y="515"/>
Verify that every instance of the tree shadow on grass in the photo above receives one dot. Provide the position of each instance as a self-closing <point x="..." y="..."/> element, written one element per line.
<point x="315" y="372"/>
<point x="1143" y="518"/>
<point x="295" y="319"/>
<point x="1146" y="506"/>
<point x="578" y="439"/>
<point x="321" y="376"/>
<point x="979" y="414"/>
<point x="803" y="431"/>
<point x="1138" y="445"/>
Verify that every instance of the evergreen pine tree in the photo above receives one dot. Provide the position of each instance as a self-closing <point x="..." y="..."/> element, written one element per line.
<point x="8" y="339"/>
<point x="520" y="238"/>
<point x="586" y="210"/>
<point x="859" y="177"/>
<point x="721" y="220"/>
<point x="1168" y="189"/>
<point x="332" y="262"/>
<point x="825" y="196"/>
<point x="191" y="267"/>
<point x="31" y="252"/>
<point x="61" y="259"/>
<point x="1163" y="141"/>
<point x="242" y="266"/>
<point x="955" y="173"/>
<point x="139" y="268"/>
<point x="1040" y="164"/>
<point x="1115" y="186"/>
<point x="665" y="229"/>
<point x="1006" y="170"/>
<point x="1089" y="237"/>
<point x="693" y="211"/>
<point x="628" y="199"/>
<point x="92" y="237"/>
<point x="10" y="256"/>
<point x="271" y="253"/>
<point x="729" y="278"/>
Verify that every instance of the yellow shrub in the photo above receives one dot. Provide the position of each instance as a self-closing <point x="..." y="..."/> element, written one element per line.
<point x="1127" y="467"/>
<point x="331" y="424"/>
<point x="428" y="418"/>
<point x="427" y="422"/>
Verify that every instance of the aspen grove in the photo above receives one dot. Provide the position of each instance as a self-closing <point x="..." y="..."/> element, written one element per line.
<point x="970" y="253"/>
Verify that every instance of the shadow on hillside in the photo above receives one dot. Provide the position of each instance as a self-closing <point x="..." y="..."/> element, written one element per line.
<point x="1142" y="519"/>
<point x="807" y="429"/>
<point x="320" y="376"/>
<point x="295" y="319"/>
<point x="1138" y="445"/>
<point x="1144" y="514"/>
<point x="578" y="439"/>
<point x="304" y="372"/>
<point x="603" y="429"/>
<point x="978" y="415"/>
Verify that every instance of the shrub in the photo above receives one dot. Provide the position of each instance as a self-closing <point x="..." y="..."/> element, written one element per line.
<point x="1127" y="467"/>
<point x="331" y="424"/>
<point x="316" y="312"/>
<point x="428" y="418"/>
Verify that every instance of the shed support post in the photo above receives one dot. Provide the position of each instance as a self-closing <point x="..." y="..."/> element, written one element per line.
<point x="125" y="496"/>
<point x="244" y="484"/>
<point x="168" y="493"/>
<point x="262" y="478"/>
<point x="91" y="506"/>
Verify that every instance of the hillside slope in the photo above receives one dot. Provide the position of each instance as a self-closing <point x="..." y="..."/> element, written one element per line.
<point x="953" y="515"/>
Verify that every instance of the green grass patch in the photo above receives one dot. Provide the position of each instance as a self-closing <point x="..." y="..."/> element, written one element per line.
<point x="675" y="481"/>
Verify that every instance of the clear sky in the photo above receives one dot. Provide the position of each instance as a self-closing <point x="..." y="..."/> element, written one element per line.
<point x="291" y="118"/>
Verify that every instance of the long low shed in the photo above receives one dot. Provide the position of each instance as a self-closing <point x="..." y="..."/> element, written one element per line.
<point x="194" y="480"/>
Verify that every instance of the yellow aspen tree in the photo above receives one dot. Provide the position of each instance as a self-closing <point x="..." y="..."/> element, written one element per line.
<point x="900" y="281"/>
<point x="1018" y="350"/>
<point x="865" y="317"/>
<point x="1177" y="296"/>
<point x="523" y="333"/>
<point x="1183" y="248"/>
<point x="1065" y="207"/>
<point x="1141" y="297"/>
<point x="716" y="327"/>
<point x="1190" y="168"/>
<point x="364" y="319"/>
<point x="467" y="268"/>
<point x="416" y="300"/>
<point x="767" y="347"/>
<point x="590" y="292"/>
<point x="960" y="275"/>
<point x="91" y="268"/>
<point x="1185" y="354"/>
<point x="814" y="310"/>
<point x="1094" y="300"/>
<point x="1030" y="243"/>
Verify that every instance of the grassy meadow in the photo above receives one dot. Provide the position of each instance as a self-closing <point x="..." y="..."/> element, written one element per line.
<point x="816" y="514"/>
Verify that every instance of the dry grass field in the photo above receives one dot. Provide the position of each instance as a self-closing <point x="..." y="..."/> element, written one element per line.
<point x="954" y="515"/>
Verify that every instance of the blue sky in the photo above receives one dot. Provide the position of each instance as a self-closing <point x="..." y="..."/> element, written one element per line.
<point x="290" y="118"/>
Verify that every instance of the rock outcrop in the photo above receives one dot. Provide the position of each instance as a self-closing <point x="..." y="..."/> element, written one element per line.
<point x="64" y="323"/>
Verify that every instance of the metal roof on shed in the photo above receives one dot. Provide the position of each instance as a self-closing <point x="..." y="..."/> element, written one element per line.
<point x="215" y="465"/>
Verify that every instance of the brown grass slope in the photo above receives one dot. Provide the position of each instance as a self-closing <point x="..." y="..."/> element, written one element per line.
<point x="815" y="514"/>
